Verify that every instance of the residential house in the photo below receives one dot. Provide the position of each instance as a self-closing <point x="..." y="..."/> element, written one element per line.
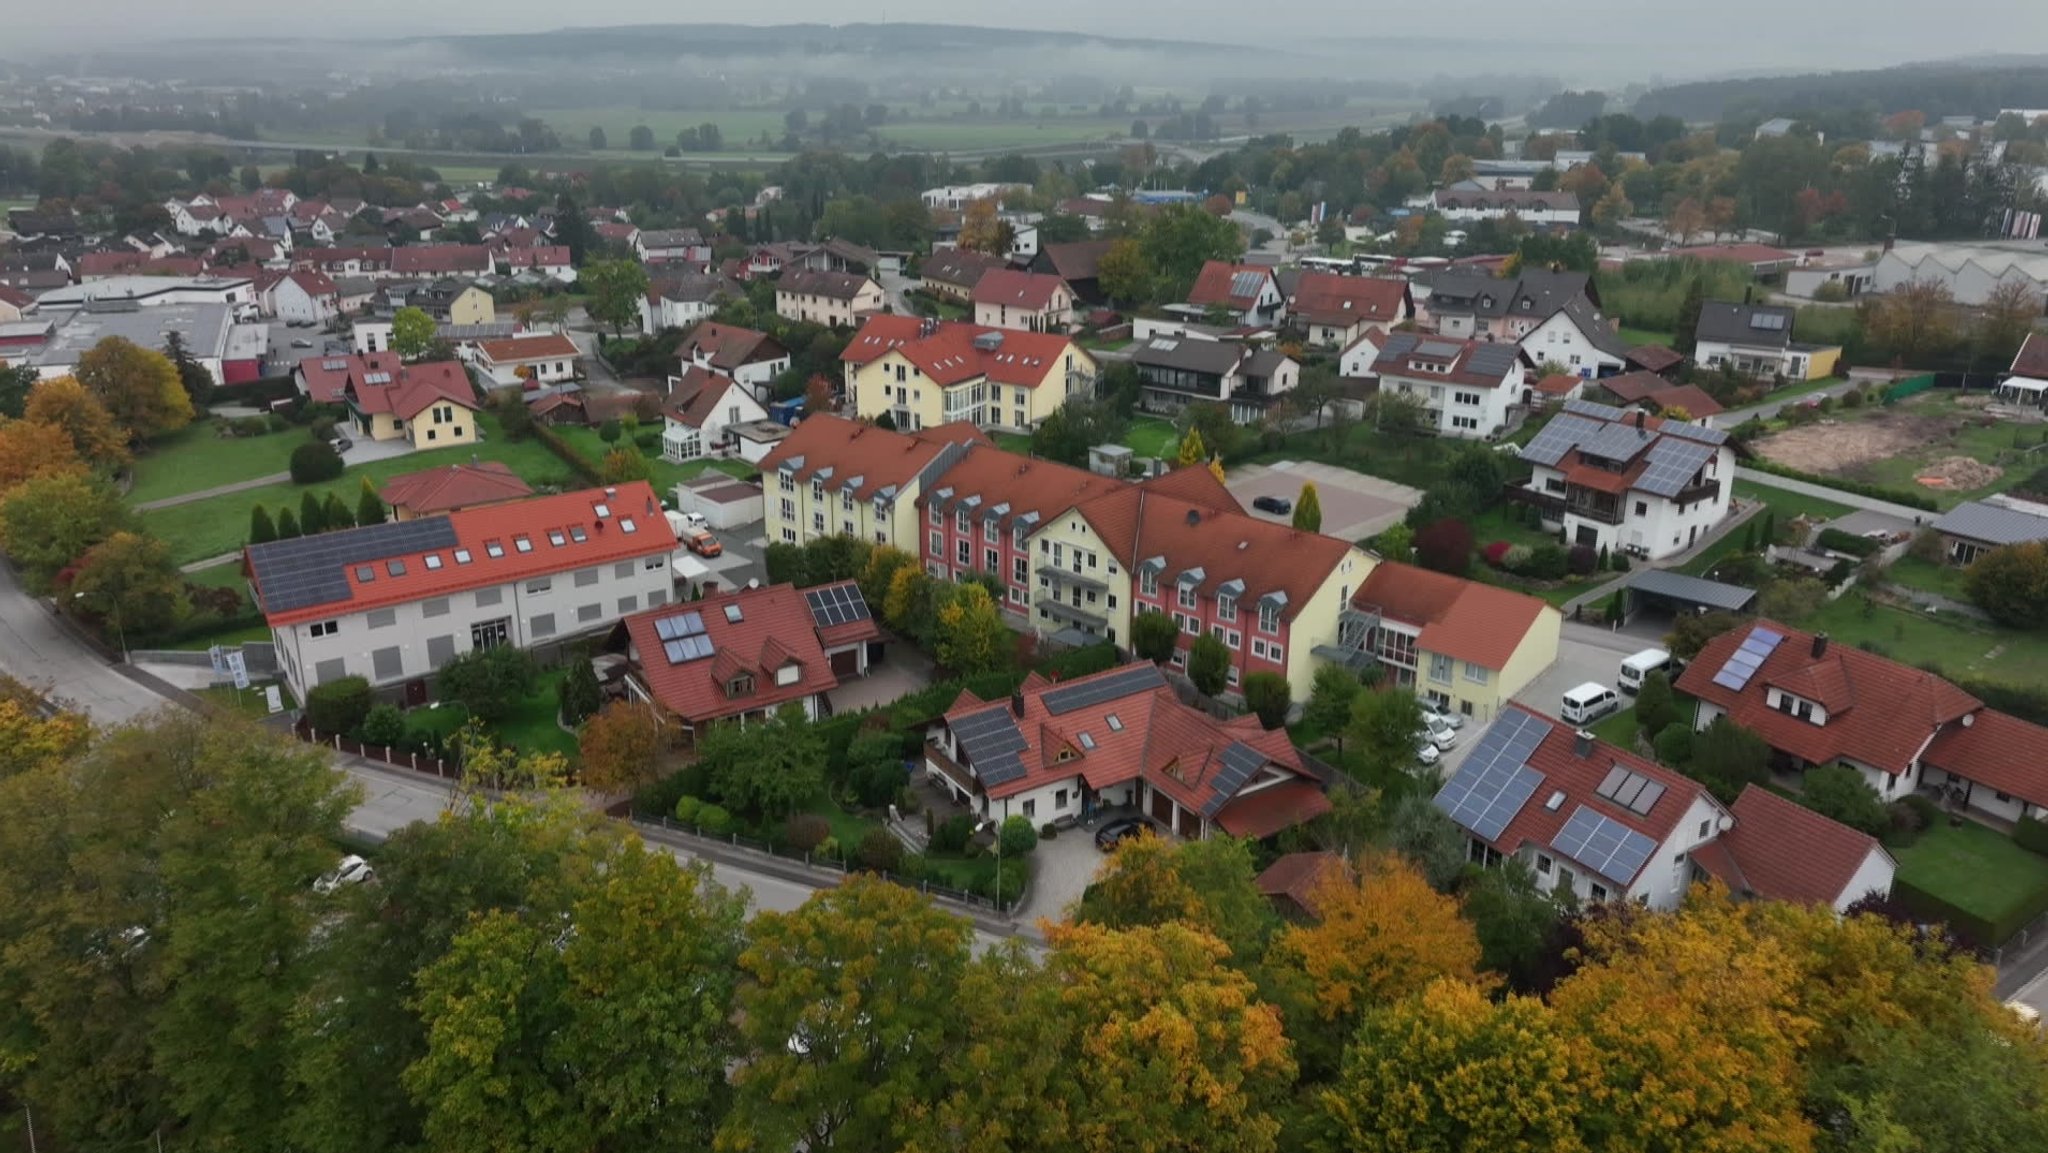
<point x="1628" y="482"/>
<point x="834" y="477"/>
<point x="1177" y="372"/>
<point x="551" y="261"/>
<point x="1250" y="293"/>
<point x="1079" y="263"/>
<point x="952" y="273"/>
<point x="1657" y="396"/>
<point x="1976" y="527"/>
<point x="1653" y="358"/>
<point x="1358" y="357"/>
<point x="980" y="513"/>
<point x="1557" y="388"/>
<point x="839" y="299"/>
<point x="324" y="379"/>
<point x="684" y="299"/>
<point x="834" y="254"/>
<point x="747" y="355"/>
<point x="1032" y="301"/>
<point x="925" y="373"/>
<point x="451" y="488"/>
<point x="700" y="408"/>
<point x="431" y="405"/>
<point x="1756" y="340"/>
<point x="1578" y="339"/>
<point x="1901" y="728"/>
<point x="1464" y="646"/>
<point x="304" y="297"/>
<point x="15" y="304"/>
<point x="540" y="358"/>
<point x="1780" y="850"/>
<point x="956" y="197"/>
<point x="1292" y="882"/>
<point x="1467" y="388"/>
<point x="741" y="656"/>
<point x="1542" y="211"/>
<point x="1471" y="302"/>
<point x="1336" y="311"/>
<point x="1120" y="740"/>
<point x="94" y="266"/>
<point x="2026" y="382"/>
<point x="619" y="233"/>
<point x="395" y="602"/>
<point x="430" y="260"/>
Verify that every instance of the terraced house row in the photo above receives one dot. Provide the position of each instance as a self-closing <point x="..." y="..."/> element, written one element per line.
<point x="1079" y="555"/>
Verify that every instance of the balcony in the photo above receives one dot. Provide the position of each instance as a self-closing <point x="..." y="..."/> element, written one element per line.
<point x="1706" y="490"/>
<point x="1607" y="511"/>
<point x="1074" y="614"/>
<point x="935" y="758"/>
<point x="1067" y="576"/>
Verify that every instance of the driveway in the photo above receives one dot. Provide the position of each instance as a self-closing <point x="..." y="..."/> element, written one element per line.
<point x="1355" y="506"/>
<point x="903" y="671"/>
<point x="741" y="560"/>
<point x="1061" y="870"/>
<point x="1584" y="653"/>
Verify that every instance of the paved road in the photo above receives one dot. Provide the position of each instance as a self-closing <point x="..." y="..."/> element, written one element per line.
<point x="1773" y="480"/>
<point x="36" y="650"/>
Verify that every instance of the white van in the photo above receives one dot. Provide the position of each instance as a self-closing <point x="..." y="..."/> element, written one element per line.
<point x="1641" y="665"/>
<point x="1588" y="703"/>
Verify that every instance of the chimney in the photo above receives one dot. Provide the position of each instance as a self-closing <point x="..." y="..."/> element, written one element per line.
<point x="1582" y="744"/>
<point x="1017" y="702"/>
<point x="1638" y="413"/>
<point x="1820" y="645"/>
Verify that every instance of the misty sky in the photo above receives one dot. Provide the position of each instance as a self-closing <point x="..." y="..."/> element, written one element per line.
<point x="1673" y="37"/>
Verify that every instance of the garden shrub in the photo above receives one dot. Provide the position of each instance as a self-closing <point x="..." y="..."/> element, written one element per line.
<point x="806" y="831"/>
<point x="1547" y="562"/>
<point x="249" y="426"/>
<point x="1017" y="837"/>
<point x="714" y="820"/>
<point x="276" y="422"/>
<point x="383" y="725"/>
<point x="952" y="834"/>
<point x="1048" y="831"/>
<point x="2029" y="833"/>
<point x="321" y="429"/>
<point x="1838" y="541"/>
<point x="1906" y="824"/>
<point x="687" y="809"/>
<point x="338" y="706"/>
<point x="314" y="462"/>
<point x="1674" y="744"/>
<point x="1496" y="553"/>
<point x="1582" y="559"/>
<point x="879" y="851"/>
<point x="829" y="848"/>
<point x="1516" y="558"/>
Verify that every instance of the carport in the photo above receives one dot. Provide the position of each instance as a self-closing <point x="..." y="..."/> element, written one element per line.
<point x="1673" y="594"/>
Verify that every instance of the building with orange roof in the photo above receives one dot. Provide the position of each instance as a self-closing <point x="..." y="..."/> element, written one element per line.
<point x="439" y="491"/>
<point x="831" y="477"/>
<point x="923" y="373"/>
<point x="535" y="358"/>
<point x="1249" y="292"/>
<point x="1336" y="310"/>
<point x="1464" y="646"/>
<point x="430" y="405"/>
<point x="1120" y="740"/>
<point x="1032" y="301"/>
<point x="395" y="602"/>
<point x="983" y="510"/>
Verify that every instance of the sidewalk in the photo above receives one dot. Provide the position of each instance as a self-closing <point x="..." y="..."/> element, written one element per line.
<point x="217" y="490"/>
<point x="1823" y="492"/>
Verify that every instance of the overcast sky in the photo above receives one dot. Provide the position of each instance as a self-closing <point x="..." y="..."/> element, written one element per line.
<point x="1686" y="37"/>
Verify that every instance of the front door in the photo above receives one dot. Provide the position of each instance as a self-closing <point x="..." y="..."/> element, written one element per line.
<point x="1589" y="536"/>
<point x="1162" y="810"/>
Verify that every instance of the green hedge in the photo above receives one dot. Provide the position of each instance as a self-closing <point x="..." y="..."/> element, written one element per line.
<point x="2027" y="702"/>
<point x="2031" y="834"/>
<point x="582" y="465"/>
<point x="1848" y="542"/>
<point x="1873" y="491"/>
<point x="1982" y="932"/>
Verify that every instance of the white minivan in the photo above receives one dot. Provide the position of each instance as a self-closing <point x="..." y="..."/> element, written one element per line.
<point x="1641" y="665"/>
<point x="1588" y="703"/>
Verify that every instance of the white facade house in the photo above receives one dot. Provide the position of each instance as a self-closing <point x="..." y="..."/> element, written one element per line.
<point x="1628" y="482"/>
<point x="1579" y="339"/>
<point x="395" y="602"/>
<point x="838" y="299"/>
<point x="1357" y="359"/>
<point x="305" y="298"/>
<point x="1536" y="209"/>
<point x="540" y="358"/>
<point x="1467" y="388"/>
<point x="955" y="197"/>
<point x="701" y="411"/>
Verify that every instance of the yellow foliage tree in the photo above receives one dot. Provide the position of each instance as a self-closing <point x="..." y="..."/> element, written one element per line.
<point x="906" y="597"/>
<point x="65" y="403"/>
<point x="1216" y="467"/>
<point x="1192" y="450"/>
<point x="972" y="637"/>
<point x="30" y="449"/>
<point x="1139" y="885"/>
<point x="28" y="739"/>
<point x="619" y="748"/>
<point x="1381" y="934"/>
<point x="139" y="386"/>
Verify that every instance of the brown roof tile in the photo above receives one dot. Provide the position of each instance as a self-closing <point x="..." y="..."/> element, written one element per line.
<point x="1997" y="751"/>
<point x="1787" y="852"/>
<point x="438" y="490"/>
<point x="1461" y="619"/>
<point x="877" y="456"/>
<point x="1327" y="298"/>
<point x="1032" y="290"/>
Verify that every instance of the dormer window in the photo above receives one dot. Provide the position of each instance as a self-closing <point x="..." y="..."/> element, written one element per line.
<point x="740" y="686"/>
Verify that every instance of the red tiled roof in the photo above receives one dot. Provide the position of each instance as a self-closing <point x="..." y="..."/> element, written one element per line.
<point x="1295" y="876"/>
<point x="1998" y="751"/>
<point x="2032" y="358"/>
<point x="1076" y="259"/>
<point x="1194" y="483"/>
<point x="1327" y="298"/>
<point x="1785" y="851"/>
<point x="696" y="395"/>
<point x="409" y="391"/>
<point x="1884" y="712"/>
<point x="1214" y="283"/>
<point x="774" y="631"/>
<point x="315" y="284"/>
<point x="1558" y="384"/>
<point x="605" y="541"/>
<point x="537" y="256"/>
<point x="877" y="456"/>
<point x="519" y="349"/>
<point x="1653" y="357"/>
<point x="1028" y="290"/>
<point x="1690" y="398"/>
<point x="427" y="259"/>
<point x="1464" y="620"/>
<point x="1261" y="814"/>
<point x="731" y="347"/>
<point x="329" y="385"/>
<point x="14" y="296"/>
<point x="438" y="490"/>
<point x="947" y="353"/>
<point x="831" y="285"/>
<point x="878" y="335"/>
<point x="545" y="404"/>
<point x="1026" y="485"/>
<point x="1633" y="386"/>
<point x="1579" y="778"/>
<point x="958" y="267"/>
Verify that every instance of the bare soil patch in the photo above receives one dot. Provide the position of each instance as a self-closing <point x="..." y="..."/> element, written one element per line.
<point x="1961" y="473"/>
<point x="1833" y="446"/>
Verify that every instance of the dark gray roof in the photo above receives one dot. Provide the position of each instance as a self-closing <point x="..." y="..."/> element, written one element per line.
<point x="1692" y="590"/>
<point x="313" y="570"/>
<point x="1210" y="356"/>
<point x="1992" y="524"/>
<point x="1675" y="451"/>
<point x="1754" y="325"/>
<point x="1266" y="362"/>
<point x="1536" y="293"/>
<point x="1595" y="328"/>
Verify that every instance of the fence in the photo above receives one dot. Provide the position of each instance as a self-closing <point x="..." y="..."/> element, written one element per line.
<point x="385" y="754"/>
<point x="1911" y="386"/>
<point x="835" y="864"/>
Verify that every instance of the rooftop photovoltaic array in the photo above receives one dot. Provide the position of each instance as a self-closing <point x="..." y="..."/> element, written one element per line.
<point x="1492" y="360"/>
<point x="1559" y="437"/>
<point x="1747" y="658"/>
<point x="1767" y="321"/>
<point x="683" y="638"/>
<point x="1108" y="687"/>
<point x="1247" y="284"/>
<point x="1495" y="781"/>
<point x="1616" y="442"/>
<point x="991" y="741"/>
<point x="1597" y="411"/>
<point x="1631" y="790"/>
<point x="1603" y="845"/>
<point x="1441" y="349"/>
<point x="313" y="570"/>
<point x="1673" y="464"/>
<point x="836" y="605"/>
<point x="1240" y="762"/>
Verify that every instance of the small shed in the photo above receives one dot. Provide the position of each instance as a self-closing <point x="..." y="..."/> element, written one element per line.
<point x="1110" y="460"/>
<point x="1678" y="594"/>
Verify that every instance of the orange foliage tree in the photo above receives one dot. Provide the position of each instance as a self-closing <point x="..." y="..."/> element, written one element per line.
<point x="67" y="404"/>
<point x="620" y="748"/>
<point x="1380" y="935"/>
<point x="30" y="448"/>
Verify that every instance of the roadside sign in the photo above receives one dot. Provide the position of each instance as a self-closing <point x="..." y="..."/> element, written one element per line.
<point x="218" y="656"/>
<point x="273" y="699"/>
<point x="239" y="669"/>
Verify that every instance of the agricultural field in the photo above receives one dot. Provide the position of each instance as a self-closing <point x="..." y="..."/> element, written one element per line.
<point x="1940" y="443"/>
<point x="907" y="126"/>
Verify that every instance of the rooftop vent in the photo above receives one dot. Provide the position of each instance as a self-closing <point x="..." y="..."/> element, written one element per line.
<point x="1582" y="744"/>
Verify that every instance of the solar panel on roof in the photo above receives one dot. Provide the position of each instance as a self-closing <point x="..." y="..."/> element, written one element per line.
<point x="1630" y="789"/>
<point x="836" y="605"/>
<point x="1245" y="284"/>
<point x="1493" y="359"/>
<point x="1672" y="465"/>
<point x="1239" y="762"/>
<point x="1495" y="781"/>
<point x="1603" y="844"/>
<point x="991" y="741"/>
<point x="685" y="649"/>
<point x="1439" y="348"/>
<point x="1108" y="687"/>
<point x="1748" y="656"/>
<point x="307" y="571"/>
<point x="1559" y="437"/>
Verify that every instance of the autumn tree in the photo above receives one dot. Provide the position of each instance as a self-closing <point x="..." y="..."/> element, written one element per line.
<point x="1191" y="449"/>
<point x="1912" y="321"/>
<point x="1612" y="208"/>
<point x="131" y="579"/>
<point x="983" y="230"/>
<point x="1209" y="884"/>
<point x="614" y="291"/>
<point x="972" y="637"/>
<point x="1686" y="220"/>
<point x="1445" y="546"/>
<point x="50" y="521"/>
<point x="768" y="769"/>
<point x="1308" y="508"/>
<point x="908" y="603"/>
<point x="28" y="739"/>
<point x="412" y="332"/>
<point x="848" y="1019"/>
<point x="31" y="449"/>
<point x="369" y="505"/>
<point x="2011" y="584"/>
<point x="1124" y="273"/>
<point x="139" y="387"/>
<point x="64" y="403"/>
<point x="620" y="748"/>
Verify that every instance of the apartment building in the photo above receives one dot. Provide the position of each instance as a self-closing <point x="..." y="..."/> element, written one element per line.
<point x="837" y="477"/>
<point x="924" y="373"/>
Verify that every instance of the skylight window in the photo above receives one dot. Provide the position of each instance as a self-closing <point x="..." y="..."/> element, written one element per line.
<point x="1116" y="723"/>
<point x="395" y="568"/>
<point x="365" y="573"/>
<point x="523" y="543"/>
<point x="603" y="510"/>
<point x="494" y="549"/>
<point x="1087" y="742"/>
<point x="626" y="524"/>
<point x="556" y="538"/>
<point x="433" y="561"/>
<point x="462" y="556"/>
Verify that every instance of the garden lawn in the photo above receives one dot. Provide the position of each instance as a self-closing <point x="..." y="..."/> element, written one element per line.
<point x="220" y="524"/>
<point x="662" y="473"/>
<point x="1955" y="645"/>
<point x="1501" y="523"/>
<point x="1636" y="336"/>
<point x="247" y="702"/>
<point x="1977" y="869"/>
<point x="194" y="459"/>
<point x="1786" y="505"/>
<point x="1930" y="576"/>
<point x="529" y="728"/>
<point x="1149" y="436"/>
<point x="1015" y="442"/>
<point x="1619" y="729"/>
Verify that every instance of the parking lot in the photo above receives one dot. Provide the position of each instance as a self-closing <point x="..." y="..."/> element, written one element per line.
<point x="1355" y="506"/>
<point x="1584" y="653"/>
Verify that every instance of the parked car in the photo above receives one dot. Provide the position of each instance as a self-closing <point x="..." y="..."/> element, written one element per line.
<point x="302" y="342"/>
<point x="695" y="520"/>
<point x="1277" y="505"/>
<point x="704" y="544"/>
<point x="353" y="870"/>
<point x="1117" y="832"/>
<point x="1439" y="734"/>
<point x="1432" y="713"/>
<point x="1426" y="751"/>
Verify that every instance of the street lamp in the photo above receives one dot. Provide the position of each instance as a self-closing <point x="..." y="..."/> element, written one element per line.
<point x="118" y="630"/>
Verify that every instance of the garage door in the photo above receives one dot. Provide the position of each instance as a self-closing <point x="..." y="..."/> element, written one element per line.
<point x="846" y="664"/>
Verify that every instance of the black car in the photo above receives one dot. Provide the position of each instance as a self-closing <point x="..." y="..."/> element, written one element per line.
<point x="1277" y="505"/>
<point x="1116" y="832"/>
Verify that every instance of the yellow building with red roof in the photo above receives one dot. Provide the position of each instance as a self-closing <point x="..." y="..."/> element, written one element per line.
<point x="923" y="373"/>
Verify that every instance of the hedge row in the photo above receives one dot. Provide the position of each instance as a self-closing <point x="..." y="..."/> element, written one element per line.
<point x="1836" y="540"/>
<point x="569" y="454"/>
<point x="2031" y="834"/>
<point x="1982" y="932"/>
<point x="2027" y="702"/>
<point x="1873" y="491"/>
